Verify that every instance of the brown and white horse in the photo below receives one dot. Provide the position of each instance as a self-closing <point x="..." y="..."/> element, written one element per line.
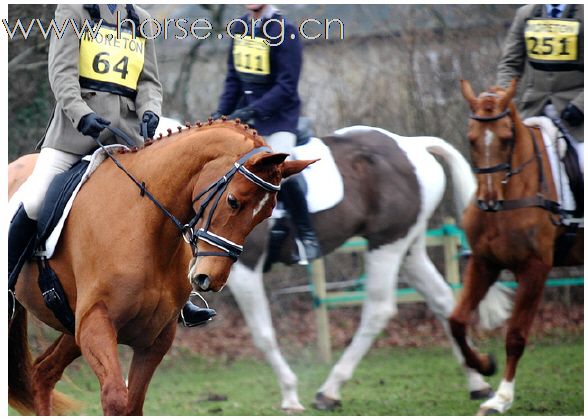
<point x="123" y="262"/>
<point x="512" y="224"/>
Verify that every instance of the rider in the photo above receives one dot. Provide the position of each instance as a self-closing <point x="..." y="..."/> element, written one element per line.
<point x="545" y="43"/>
<point x="261" y="88"/>
<point x="96" y="82"/>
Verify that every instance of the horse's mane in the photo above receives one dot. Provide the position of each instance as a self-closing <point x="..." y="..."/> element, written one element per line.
<point x="235" y="125"/>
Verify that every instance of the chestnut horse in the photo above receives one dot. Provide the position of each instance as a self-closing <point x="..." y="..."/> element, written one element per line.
<point x="513" y="224"/>
<point x="123" y="262"/>
<point x="392" y="186"/>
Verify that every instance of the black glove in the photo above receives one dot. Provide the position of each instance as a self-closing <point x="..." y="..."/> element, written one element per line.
<point x="244" y="114"/>
<point x="572" y="115"/>
<point x="152" y="122"/>
<point x="216" y="115"/>
<point x="92" y="125"/>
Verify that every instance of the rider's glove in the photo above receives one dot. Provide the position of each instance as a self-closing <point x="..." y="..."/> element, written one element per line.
<point x="92" y="125"/>
<point x="244" y="114"/>
<point x="572" y="115"/>
<point x="152" y="121"/>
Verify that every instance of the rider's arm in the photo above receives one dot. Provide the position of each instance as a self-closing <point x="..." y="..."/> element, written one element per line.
<point x="63" y="65"/>
<point x="232" y="90"/>
<point x="512" y="62"/>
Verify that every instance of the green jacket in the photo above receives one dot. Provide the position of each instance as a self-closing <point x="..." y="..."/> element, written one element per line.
<point x="540" y="85"/>
<point x="74" y="101"/>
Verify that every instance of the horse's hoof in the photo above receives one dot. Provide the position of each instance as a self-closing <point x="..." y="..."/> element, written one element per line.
<point x="483" y="394"/>
<point x="293" y="409"/>
<point x="322" y="402"/>
<point x="487" y="411"/>
<point x="491" y="370"/>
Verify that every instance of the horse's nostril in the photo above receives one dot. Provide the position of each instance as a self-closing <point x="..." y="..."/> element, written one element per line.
<point x="482" y="205"/>
<point x="202" y="281"/>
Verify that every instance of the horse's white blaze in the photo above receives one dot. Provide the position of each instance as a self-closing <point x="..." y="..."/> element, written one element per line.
<point x="488" y="137"/>
<point x="259" y="206"/>
<point x="503" y="398"/>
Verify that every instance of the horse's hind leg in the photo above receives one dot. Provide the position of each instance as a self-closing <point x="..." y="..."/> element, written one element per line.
<point x="379" y="306"/>
<point x="47" y="371"/>
<point x="424" y="277"/>
<point x="247" y="288"/>
<point x="98" y="342"/>
<point x="144" y="363"/>
<point x="478" y="278"/>
<point x="531" y="281"/>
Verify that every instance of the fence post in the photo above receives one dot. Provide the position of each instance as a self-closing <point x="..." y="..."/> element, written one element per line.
<point x="451" y="256"/>
<point x="317" y="268"/>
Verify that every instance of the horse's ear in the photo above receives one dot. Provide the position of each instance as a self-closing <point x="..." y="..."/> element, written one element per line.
<point x="509" y="94"/>
<point x="291" y="167"/>
<point x="270" y="159"/>
<point x="468" y="94"/>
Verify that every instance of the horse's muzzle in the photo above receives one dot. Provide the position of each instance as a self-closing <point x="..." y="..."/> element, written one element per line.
<point x="202" y="282"/>
<point x="490" y="206"/>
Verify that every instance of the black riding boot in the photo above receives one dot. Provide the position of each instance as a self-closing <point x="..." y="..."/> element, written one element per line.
<point x="192" y="315"/>
<point x="294" y="199"/>
<point x="21" y="242"/>
<point x="278" y="234"/>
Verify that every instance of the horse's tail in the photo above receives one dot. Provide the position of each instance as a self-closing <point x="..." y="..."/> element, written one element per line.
<point x="496" y="307"/>
<point x="20" y="369"/>
<point x="20" y="364"/>
<point x="464" y="184"/>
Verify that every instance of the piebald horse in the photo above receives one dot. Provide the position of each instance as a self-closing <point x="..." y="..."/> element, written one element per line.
<point x="392" y="186"/>
<point x="124" y="263"/>
<point x="512" y="224"/>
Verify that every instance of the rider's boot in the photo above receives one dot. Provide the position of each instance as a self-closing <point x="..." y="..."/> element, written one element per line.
<point x="21" y="242"/>
<point x="278" y="234"/>
<point x="192" y="315"/>
<point x="293" y="196"/>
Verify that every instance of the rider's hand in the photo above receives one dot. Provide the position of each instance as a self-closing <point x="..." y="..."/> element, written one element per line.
<point x="572" y="115"/>
<point x="92" y="125"/>
<point x="216" y="115"/>
<point x="244" y="114"/>
<point x="152" y="121"/>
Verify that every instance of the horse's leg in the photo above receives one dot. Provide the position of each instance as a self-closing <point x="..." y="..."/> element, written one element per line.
<point x="47" y="371"/>
<point x="478" y="278"/>
<point x="247" y="288"/>
<point x="424" y="277"/>
<point x="97" y="339"/>
<point x="379" y="306"/>
<point x="143" y="365"/>
<point x="531" y="280"/>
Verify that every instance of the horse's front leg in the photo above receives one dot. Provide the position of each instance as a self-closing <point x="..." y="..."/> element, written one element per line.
<point x="247" y="288"/>
<point x="47" y="371"/>
<point x="478" y="278"/>
<point x="97" y="339"/>
<point x="382" y="267"/>
<point x="143" y="365"/>
<point x="531" y="280"/>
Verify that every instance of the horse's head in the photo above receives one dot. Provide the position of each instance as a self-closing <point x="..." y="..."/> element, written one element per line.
<point x="491" y="136"/>
<point x="245" y="198"/>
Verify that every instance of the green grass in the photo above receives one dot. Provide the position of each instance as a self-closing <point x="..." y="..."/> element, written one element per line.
<point x="390" y="381"/>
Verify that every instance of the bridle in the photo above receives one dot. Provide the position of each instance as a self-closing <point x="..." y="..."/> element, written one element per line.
<point x="213" y="193"/>
<point x="535" y="201"/>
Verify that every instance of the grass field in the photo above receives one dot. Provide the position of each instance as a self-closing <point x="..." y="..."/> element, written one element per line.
<point x="390" y="381"/>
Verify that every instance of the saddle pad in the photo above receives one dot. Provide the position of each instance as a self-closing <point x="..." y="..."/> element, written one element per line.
<point x="94" y="161"/>
<point x="323" y="179"/>
<point x="556" y="148"/>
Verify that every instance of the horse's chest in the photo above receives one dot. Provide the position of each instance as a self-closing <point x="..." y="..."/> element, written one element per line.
<point x="508" y="243"/>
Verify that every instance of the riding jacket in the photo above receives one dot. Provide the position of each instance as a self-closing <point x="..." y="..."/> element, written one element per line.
<point x="264" y="77"/>
<point x="111" y="72"/>
<point x="549" y="52"/>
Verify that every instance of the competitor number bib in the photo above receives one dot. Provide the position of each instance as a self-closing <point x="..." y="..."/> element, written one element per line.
<point x="552" y="40"/>
<point x="111" y="64"/>
<point x="251" y="56"/>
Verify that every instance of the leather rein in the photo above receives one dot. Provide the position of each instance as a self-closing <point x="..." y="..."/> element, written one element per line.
<point x="213" y="193"/>
<point x="510" y="204"/>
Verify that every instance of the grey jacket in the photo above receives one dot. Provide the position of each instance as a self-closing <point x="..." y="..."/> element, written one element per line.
<point x="540" y="86"/>
<point x="73" y="101"/>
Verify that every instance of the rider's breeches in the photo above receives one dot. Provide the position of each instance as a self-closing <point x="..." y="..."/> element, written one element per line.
<point x="50" y="163"/>
<point x="281" y="142"/>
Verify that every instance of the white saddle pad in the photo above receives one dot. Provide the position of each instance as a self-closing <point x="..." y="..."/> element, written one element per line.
<point x="556" y="148"/>
<point x="323" y="179"/>
<point x="95" y="160"/>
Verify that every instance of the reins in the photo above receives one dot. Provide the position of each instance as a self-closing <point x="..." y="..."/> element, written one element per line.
<point x="535" y="201"/>
<point x="216" y="189"/>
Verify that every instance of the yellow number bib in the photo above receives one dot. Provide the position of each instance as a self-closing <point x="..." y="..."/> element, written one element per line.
<point x="109" y="60"/>
<point x="552" y="40"/>
<point x="251" y="55"/>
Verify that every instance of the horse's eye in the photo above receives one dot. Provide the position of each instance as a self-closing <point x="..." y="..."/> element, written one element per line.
<point x="232" y="201"/>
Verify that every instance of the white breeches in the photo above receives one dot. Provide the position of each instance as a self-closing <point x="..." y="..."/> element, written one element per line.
<point x="50" y="163"/>
<point x="282" y="142"/>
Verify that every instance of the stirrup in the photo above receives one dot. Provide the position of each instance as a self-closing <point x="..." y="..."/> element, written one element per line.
<point x="11" y="305"/>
